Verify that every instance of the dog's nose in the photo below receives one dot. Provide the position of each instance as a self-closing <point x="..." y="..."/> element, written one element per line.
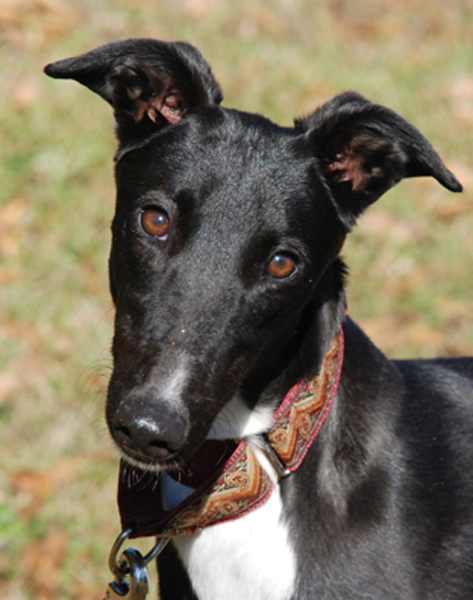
<point x="149" y="430"/>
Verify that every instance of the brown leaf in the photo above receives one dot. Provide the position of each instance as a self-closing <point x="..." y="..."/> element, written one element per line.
<point x="10" y="275"/>
<point x="386" y="227"/>
<point x="66" y="469"/>
<point x="11" y="230"/>
<point x="406" y="283"/>
<point x="26" y="92"/>
<point x="41" y="564"/>
<point x="429" y="339"/>
<point x="35" y="335"/>
<point x="392" y="335"/>
<point x="448" y="208"/>
<point x="33" y="22"/>
<point x="31" y="483"/>
<point x="9" y="382"/>
<point x="383" y="331"/>
<point x="198" y="9"/>
<point x="460" y="91"/>
<point x="453" y="209"/>
<point x="35" y="486"/>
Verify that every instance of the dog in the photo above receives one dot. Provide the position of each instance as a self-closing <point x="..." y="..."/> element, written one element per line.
<point x="226" y="276"/>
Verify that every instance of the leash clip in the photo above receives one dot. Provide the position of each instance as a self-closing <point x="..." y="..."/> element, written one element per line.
<point x="129" y="568"/>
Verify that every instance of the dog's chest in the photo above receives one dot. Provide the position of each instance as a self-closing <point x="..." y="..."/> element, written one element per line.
<point x="251" y="557"/>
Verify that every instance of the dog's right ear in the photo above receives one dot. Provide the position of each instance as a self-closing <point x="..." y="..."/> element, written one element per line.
<point x="149" y="83"/>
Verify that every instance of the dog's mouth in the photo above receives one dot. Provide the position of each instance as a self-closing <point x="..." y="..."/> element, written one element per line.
<point x="154" y="497"/>
<point x="161" y="460"/>
<point x="192" y="472"/>
<point x="188" y="464"/>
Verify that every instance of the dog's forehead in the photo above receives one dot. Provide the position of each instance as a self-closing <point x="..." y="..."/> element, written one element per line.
<point x="237" y="156"/>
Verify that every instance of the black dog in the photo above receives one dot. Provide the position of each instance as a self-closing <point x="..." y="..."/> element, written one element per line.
<point x="228" y="287"/>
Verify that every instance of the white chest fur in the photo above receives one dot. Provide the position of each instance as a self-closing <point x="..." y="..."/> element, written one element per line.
<point x="250" y="558"/>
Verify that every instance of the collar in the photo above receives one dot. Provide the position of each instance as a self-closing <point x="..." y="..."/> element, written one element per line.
<point x="224" y="480"/>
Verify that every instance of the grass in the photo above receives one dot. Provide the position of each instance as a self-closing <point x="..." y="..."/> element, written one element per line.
<point x="409" y="258"/>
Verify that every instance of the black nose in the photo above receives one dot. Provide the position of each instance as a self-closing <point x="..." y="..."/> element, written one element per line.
<point x="148" y="430"/>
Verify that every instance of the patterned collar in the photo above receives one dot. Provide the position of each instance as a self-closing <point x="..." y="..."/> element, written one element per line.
<point x="224" y="480"/>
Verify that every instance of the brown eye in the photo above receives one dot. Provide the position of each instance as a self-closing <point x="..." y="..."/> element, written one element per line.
<point x="155" y="222"/>
<point x="281" y="266"/>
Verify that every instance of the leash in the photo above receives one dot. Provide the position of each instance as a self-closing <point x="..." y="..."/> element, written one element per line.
<point x="223" y="481"/>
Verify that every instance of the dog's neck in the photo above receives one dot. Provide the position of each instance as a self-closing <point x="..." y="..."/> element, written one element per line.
<point x="235" y="483"/>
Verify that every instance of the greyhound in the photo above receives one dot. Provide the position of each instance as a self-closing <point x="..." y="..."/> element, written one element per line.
<point x="237" y="370"/>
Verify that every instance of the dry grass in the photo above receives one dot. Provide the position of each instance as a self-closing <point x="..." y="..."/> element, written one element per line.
<point x="410" y="258"/>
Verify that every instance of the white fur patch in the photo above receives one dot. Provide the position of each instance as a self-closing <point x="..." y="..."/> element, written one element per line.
<point x="250" y="558"/>
<point x="236" y="420"/>
<point x="171" y="388"/>
<point x="247" y="559"/>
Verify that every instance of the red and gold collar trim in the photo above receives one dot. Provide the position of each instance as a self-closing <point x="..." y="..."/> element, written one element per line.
<point x="234" y="483"/>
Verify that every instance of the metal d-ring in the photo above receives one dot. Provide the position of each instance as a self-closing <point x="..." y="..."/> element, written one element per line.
<point x="156" y="549"/>
<point x="120" y="569"/>
<point x="113" y="564"/>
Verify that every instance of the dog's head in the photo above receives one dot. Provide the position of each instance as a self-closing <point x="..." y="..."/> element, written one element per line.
<point x="224" y="227"/>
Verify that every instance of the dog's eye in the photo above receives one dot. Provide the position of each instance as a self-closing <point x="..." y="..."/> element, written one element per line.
<point x="281" y="266"/>
<point x="155" y="222"/>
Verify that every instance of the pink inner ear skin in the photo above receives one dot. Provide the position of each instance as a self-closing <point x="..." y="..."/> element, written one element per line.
<point x="172" y="108"/>
<point x="168" y="104"/>
<point x="349" y="165"/>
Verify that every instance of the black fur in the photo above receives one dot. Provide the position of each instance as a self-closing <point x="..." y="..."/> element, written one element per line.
<point x="382" y="505"/>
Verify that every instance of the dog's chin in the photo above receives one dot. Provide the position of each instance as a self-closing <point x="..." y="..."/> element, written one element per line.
<point x="144" y="464"/>
<point x="173" y="463"/>
<point x="193" y="469"/>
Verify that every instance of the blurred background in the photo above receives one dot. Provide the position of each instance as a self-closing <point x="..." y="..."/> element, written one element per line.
<point x="410" y="259"/>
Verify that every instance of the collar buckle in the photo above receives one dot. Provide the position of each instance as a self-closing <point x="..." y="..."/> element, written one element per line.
<point x="275" y="461"/>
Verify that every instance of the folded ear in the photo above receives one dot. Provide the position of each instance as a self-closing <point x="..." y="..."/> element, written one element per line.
<point x="149" y="83"/>
<point x="363" y="149"/>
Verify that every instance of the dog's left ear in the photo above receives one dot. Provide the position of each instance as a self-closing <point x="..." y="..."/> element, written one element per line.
<point x="149" y="83"/>
<point x="363" y="149"/>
